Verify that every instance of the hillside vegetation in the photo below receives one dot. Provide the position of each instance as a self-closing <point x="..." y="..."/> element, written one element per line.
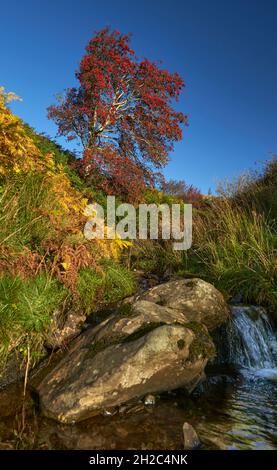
<point x="46" y="264"/>
<point x="234" y="241"/>
<point x="45" y="261"/>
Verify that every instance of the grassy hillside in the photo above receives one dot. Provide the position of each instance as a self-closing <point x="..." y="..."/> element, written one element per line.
<point x="234" y="241"/>
<point x="45" y="261"/>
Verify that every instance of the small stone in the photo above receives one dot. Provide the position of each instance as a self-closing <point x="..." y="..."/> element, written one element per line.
<point x="122" y="409"/>
<point x="149" y="400"/>
<point x="110" y="412"/>
<point x="191" y="439"/>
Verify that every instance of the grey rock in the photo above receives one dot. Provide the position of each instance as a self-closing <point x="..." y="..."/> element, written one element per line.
<point x="149" y="400"/>
<point x="99" y="373"/>
<point x="66" y="325"/>
<point x="197" y="299"/>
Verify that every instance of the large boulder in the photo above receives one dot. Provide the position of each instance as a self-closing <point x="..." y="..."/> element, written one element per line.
<point x="198" y="300"/>
<point x="146" y="349"/>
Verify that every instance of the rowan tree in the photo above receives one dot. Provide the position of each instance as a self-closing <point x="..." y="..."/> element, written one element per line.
<point x="122" y="113"/>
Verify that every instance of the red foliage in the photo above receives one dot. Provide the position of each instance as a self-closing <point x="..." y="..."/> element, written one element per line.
<point x="180" y="189"/>
<point x="122" y="112"/>
<point x="114" y="172"/>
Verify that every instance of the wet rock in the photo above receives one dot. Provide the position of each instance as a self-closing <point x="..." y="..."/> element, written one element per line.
<point x="191" y="439"/>
<point x="124" y="358"/>
<point x="198" y="301"/>
<point x="12" y="372"/>
<point x="10" y="400"/>
<point x="137" y="429"/>
<point x="149" y="400"/>
<point x="111" y="412"/>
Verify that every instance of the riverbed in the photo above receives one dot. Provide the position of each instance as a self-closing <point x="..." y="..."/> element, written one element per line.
<point x="233" y="409"/>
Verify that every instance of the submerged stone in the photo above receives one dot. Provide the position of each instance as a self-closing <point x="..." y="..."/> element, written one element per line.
<point x="191" y="439"/>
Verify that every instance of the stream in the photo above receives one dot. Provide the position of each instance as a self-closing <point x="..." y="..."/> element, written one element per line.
<point x="235" y="408"/>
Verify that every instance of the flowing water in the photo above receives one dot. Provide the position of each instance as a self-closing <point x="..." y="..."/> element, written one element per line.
<point x="234" y="409"/>
<point x="249" y="340"/>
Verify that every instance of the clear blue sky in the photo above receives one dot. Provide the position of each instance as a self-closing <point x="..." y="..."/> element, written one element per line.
<point x="226" y="52"/>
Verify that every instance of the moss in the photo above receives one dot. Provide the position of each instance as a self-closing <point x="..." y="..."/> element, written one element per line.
<point x="122" y="338"/>
<point x="125" y="310"/>
<point x="104" y="343"/>
<point x="181" y="344"/>
<point x="190" y="284"/>
<point x="196" y="327"/>
<point x="142" y="331"/>
<point x="202" y="345"/>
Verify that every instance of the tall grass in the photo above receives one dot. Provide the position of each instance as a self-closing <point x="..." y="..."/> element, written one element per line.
<point x="22" y="202"/>
<point x="234" y="241"/>
<point x="98" y="289"/>
<point x="235" y="248"/>
<point x="255" y="189"/>
<point x="26" y="308"/>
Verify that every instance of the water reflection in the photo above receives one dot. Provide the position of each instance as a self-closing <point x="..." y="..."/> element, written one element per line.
<point x="237" y="411"/>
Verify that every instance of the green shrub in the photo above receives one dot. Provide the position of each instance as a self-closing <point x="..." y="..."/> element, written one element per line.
<point x="61" y="156"/>
<point x="156" y="257"/>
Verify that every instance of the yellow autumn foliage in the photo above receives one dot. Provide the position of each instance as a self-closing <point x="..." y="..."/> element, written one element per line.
<point x="19" y="154"/>
<point x="66" y="205"/>
<point x="17" y="150"/>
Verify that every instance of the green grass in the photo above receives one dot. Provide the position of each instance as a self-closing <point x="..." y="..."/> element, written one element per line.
<point x="235" y="249"/>
<point x="98" y="289"/>
<point x="26" y="308"/>
<point x="22" y="201"/>
<point x="89" y="286"/>
<point x="118" y="282"/>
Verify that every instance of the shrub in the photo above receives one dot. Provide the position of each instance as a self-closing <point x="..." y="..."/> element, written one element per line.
<point x="156" y="257"/>
<point x="179" y="189"/>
